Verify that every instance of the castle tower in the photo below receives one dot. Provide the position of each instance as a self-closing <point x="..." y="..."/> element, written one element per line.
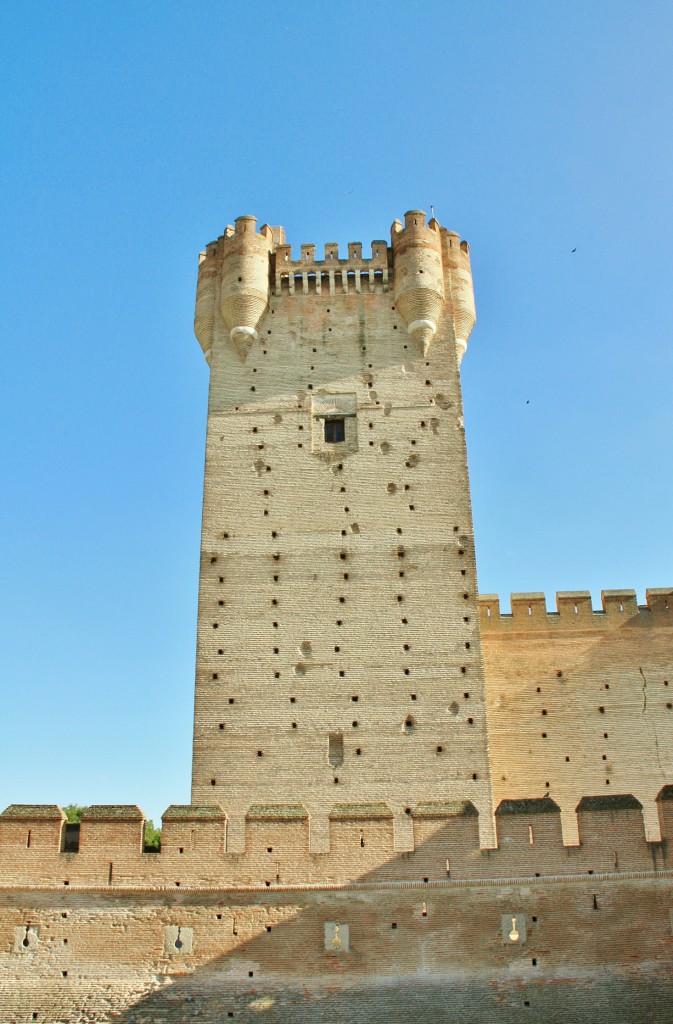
<point x="339" y="655"/>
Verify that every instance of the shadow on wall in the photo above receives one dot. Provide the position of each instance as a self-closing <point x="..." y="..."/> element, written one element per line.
<point x="594" y="947"/>
<point x="423" y="999"/>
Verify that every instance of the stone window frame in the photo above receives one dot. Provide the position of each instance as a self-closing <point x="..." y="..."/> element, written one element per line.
<point x="334" y="406"/>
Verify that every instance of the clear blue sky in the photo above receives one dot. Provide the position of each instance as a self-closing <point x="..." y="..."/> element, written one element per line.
<point x="131" y="134"/>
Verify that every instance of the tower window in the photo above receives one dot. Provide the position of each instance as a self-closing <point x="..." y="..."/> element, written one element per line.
<point x="335" y="430"/>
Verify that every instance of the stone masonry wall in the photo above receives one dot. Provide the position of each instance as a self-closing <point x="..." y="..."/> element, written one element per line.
<point x="338" y="641"/>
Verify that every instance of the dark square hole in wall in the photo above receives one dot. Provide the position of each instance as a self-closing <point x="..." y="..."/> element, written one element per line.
<point x="335" y="430"/>
<point x="71" y="838"/>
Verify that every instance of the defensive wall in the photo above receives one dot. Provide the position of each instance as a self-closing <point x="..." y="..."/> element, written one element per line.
<point x="533" y="930"/>
<point x="37" y="848"/>
<point x="580" y="701"/>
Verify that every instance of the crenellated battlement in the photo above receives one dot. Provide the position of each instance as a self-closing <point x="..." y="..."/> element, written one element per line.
<point x="574" y="610"/>
<point x="427" y="265"/>
<point x="106" y="849"/>
<point x="332" y="275"/>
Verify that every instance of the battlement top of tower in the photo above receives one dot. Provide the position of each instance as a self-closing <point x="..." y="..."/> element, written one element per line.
<point x="274" y="236"/>
<point x="574" y="609"/>
<point x="426" y="267"/>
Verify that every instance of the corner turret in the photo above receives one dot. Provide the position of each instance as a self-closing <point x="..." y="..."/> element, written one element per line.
<point x="419" y="280"/>
<point x="238" y="266"/>
<point x="460" y="293"/>
<point x="432" y="279"/>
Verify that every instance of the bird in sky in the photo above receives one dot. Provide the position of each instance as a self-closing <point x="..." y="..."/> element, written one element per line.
<point x="573" y="250"/>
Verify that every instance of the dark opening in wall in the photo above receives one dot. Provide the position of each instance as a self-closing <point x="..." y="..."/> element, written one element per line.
<point x="335" y="430"/>
<point x="335" y="753"/>
<point x="71" y="838"/>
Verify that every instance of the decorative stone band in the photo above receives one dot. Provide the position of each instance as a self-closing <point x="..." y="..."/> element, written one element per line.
<point x="334" y="405"/>
<point x="422" y="325"/>
<point x="422" y="331"/>
<point x="245" y="334"/>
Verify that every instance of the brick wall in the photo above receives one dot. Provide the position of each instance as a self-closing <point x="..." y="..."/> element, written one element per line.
<point x="580" y="702"/>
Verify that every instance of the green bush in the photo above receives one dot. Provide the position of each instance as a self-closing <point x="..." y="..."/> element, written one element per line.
<point x="152" y="839"/>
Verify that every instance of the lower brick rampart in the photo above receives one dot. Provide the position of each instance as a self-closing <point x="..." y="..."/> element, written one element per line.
<point x="586" y="948"/>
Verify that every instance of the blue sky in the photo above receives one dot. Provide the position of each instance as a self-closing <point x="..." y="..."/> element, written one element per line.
<point x="132" y="134"/>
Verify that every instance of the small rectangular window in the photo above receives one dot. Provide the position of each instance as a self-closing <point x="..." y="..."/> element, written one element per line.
<point x="335" y="430"/>
<point x="335" y="754"/>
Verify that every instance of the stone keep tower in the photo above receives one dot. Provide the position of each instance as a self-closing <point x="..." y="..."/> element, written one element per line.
<point x="339" y="656"/>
